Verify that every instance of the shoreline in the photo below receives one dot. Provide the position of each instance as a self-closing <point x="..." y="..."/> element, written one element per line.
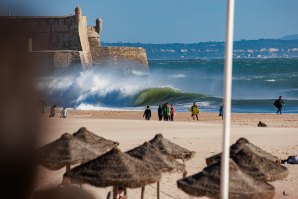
<point x="238" y="119"/>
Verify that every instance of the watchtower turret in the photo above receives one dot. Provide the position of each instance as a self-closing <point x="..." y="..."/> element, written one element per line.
<point x="78" y="13"/>
<point x="98" y="25"/>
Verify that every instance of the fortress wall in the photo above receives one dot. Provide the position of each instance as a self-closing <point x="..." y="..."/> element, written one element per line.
<point x="121" y="56"/>
<point x="94" y="39"/>
<point x="47" y="33"/>
<point x="83" y="33"/>
<point x="85" y="54"/>
<point x="58" y="59"/>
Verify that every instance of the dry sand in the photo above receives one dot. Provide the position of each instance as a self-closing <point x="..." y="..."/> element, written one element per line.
<point x="203" y="137"/>
<point x="242" y="119"/>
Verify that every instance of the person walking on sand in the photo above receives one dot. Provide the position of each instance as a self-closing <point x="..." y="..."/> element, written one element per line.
<point x="42" y="104"/>
<point x="53" y="111"/>
<point x="63" y="113"/>
<point x="221" y="112"/>
<point x="172" y="112"/>
<point x="279" y="104"/>
<point x="160" y="112"/>
<point x="147" y="113"/>
<point x="194" y="111"/>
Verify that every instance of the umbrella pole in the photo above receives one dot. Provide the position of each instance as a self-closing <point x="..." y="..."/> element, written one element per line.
<point x="224" y="173"/>
<point x="114" y="192"/>
<point x="157" y="190"/>
<point x="67" y="167"/>
<point x="184" y="171"/>
<point x="142" y="192"/>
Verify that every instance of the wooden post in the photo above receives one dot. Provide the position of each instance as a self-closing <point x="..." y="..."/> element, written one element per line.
<point x="114" y="192"/>
<point x="67" y="167"/>
<point x="142" y="192"/>
<point x="184" y="171"/>
<point x="157" y="190"/>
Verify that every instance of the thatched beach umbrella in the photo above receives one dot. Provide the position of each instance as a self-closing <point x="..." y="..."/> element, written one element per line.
<point x="98" y="144"/>
<point x="168" y="148"/>
<point x="149" y="153"/>
<point x="241" y="185"/>
<point x="254" y="161"/>
<point x="115" y="169"/>
<point x="240" y="143"/>
<point x="65" y="151"/>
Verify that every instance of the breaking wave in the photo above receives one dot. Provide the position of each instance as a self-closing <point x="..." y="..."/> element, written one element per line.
<point x="177" y="82"/>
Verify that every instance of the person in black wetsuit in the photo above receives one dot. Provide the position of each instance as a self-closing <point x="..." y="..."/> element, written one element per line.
<point x="147" y="113"/>
<point x="279" y="104"/>
<point x="160" y="113"/>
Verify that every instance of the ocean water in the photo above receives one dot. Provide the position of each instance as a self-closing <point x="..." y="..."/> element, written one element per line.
<point x="256" y="83"/>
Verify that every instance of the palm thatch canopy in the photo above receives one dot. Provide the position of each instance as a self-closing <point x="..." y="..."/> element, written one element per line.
<point x="240" y="143"/>
<point x="254" y="161"/>
<point x="62" y="192"/>
<point x="148" y="153"/>
<point x="98" y="144"/>
<point x="115" y="169"/>
<point x="168" y="148"/>
<point x="66" y="150"/>
<point x="259" y="167"/>
<point x="207" y="183"/>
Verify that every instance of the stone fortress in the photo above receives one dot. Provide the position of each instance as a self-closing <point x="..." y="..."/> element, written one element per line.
<point x="59" y="42"/>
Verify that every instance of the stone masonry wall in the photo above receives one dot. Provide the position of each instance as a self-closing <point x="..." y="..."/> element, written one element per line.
<point x="47" y="33"/>
<point x="121" y="56"/>
<point x="85" y="54"/>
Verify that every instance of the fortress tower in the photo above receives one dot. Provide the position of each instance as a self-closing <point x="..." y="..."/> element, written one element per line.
<point x="78" y="14"/>
<point x="98" y="25"/>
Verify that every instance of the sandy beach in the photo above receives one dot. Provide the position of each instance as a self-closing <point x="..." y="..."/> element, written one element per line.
<point x="242" y="119"/>
<point x="204" y="137"/>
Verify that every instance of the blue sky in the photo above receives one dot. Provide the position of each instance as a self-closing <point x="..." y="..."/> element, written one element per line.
<point x="179" y="21"/>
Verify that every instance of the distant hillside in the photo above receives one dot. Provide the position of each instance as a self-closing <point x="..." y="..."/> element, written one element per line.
<point x="263" y="48"/>
<point x="290" y="37"/>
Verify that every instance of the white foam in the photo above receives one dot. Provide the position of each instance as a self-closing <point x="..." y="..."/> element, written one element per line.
<point x="177" y="76"/>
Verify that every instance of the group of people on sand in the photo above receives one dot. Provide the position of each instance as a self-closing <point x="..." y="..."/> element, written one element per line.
<point x="42" y="105"/>
<point x="165" y="112"/>
<point x="63" y="113"/>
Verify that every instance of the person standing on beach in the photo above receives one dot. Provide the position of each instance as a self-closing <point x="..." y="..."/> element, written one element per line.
<point x="42" y="104"/>
<point x="160" y="112"/>
<point x="164" y="112"/>
<point x="194" y="111"/>
<point x="279" y="104"/>
<point x="53" y="111"/>
<point x="147" y="113"/>
<point x="167" y="112"/>
<point x="172" y="112"/>
<point x="63" y="113"/>
<point x="221" y="113"/>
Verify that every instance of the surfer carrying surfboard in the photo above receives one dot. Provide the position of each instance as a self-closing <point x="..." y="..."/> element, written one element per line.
<point x="194" y="111"/>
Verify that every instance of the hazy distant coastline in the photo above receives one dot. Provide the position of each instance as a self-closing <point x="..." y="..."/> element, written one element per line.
<point x="243" y="49"/>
